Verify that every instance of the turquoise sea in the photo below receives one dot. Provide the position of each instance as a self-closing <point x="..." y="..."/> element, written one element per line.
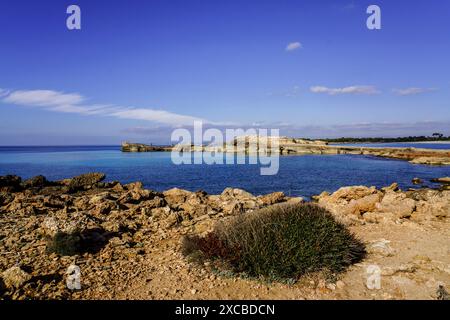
<point x="298" y="175"/>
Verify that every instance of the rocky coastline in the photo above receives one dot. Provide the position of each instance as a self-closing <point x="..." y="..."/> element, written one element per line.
<point x="126" y="240"/>
<point x="288" y="146"/>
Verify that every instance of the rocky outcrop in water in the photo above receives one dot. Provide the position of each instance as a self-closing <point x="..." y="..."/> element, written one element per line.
<point x="140" y="147"/>
<point x="286" y="146"/>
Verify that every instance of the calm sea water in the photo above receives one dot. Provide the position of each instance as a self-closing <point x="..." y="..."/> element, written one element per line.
<point x="298" y="175"/>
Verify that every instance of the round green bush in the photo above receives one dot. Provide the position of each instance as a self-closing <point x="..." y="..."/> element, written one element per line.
<point x="280" y="242"/>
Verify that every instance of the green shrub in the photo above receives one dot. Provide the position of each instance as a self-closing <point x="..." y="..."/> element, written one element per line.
<point x="64" y="244"/>
<point x="279" y="243"/>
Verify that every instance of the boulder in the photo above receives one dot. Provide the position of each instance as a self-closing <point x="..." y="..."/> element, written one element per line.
<point x="417" y="181"/>
<point x="232" y="207"/>
<point x="364" y="204"/>
<point x="398" y="204"/>
<point x="118" y="187"/>
<point x="134" y="186"/>
<point x="271" y="198"/>
<point x="350" y="201"/>
<point x="234" y="193"/>
<point x="15" y="277"/>
<point x="136" y="196"/>
<point x="346" y="194"/>
<point x="194" y="205"/>
<point x="433" y="204"/>
<point x="175" y="197"/>
<point x="85" y="181"/>
<point x="393" y="187"/>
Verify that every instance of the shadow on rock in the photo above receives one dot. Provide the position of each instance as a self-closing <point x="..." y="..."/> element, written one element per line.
<point x="87" y="241"/>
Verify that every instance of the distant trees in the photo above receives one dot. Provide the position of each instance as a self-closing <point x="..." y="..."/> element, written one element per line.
<point x="434" y="137"/>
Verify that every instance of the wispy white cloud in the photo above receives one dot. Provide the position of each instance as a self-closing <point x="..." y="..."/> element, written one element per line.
<point x="358" y="129"/>
<point x="75" y="103"/>
<point x="412" y="91"/>
<point x="42" y="98"/>
<point x="346" y="90"/>
<point x="293" y="46"/>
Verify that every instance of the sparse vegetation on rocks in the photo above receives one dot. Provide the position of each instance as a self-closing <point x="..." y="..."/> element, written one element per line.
<point x="64" y="244"/>
<point x="280" y="243"/>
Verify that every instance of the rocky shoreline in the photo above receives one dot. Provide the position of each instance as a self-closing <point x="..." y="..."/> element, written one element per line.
<point x="287" y="146"/>
<point x="127" y="238"/>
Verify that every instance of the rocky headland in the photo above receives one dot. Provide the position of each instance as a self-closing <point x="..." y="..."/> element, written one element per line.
<point x="287" y="146"/>
<point x="126" y="241"/>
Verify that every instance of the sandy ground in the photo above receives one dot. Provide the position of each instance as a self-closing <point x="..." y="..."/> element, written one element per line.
<point x="413" y="264"/>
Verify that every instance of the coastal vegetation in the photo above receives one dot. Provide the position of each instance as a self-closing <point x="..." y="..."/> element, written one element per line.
<point x="434" y="137"/>
<point x="282" y="242"/>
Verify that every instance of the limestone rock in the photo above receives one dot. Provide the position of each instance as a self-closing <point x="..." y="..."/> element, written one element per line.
<point x="134" y="186"/>
<point x="61" y="222"/>
<point x="442" y="180"/>
<point x="15" y="277"/>
<point x="232" y="207"/>
<point x="236" y="193"/>
<point x="393" y="187"/>
<point x="364" y="204"/>
<point x="433" y="203"/>
<point x="272" y="198"/>
<point x="174" y="197"/>
<point x="434" y="161"/>
<point x="381" y="247"/>
<point x="352" y="193"/>
<point x="84" y="181"/>
<point x="350" y="202"/>
<point x="398" y="204"/>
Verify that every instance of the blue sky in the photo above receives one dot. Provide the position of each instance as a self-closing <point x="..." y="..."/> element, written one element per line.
<point x="137" y="69"/>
